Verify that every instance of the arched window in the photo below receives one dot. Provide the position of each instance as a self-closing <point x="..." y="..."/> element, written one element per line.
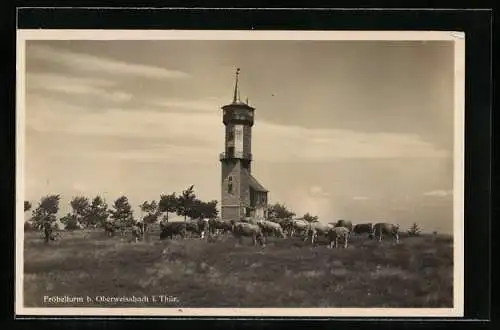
<point x="230" y="185"/>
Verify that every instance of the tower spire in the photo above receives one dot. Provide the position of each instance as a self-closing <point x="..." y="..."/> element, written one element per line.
<point x="236" y="96"/>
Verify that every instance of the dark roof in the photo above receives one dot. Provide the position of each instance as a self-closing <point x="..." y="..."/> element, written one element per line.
<point x="255" y="184"/>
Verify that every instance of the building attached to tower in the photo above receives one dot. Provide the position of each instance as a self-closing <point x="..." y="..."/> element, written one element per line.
<point x="242" y="195"/>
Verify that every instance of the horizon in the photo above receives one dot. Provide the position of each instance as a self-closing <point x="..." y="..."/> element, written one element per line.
<point x="366" y="133"/>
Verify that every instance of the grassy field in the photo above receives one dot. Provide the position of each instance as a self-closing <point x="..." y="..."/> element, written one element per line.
<point x="286" y="273"/>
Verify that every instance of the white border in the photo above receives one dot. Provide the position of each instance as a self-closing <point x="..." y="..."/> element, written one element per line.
<point x="458" y="274"/>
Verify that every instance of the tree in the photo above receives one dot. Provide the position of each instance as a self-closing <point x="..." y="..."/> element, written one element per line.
<point x="70" y="221"/>
<point x="152" y="213"/>
<point x="168" y="204"/>
<point x="122" y="214"/>
<point x="210" y="209"/>
<point x="279" y="211"/>
<point x="98" y="212"/>
<point x="81" y="209"/>
<point x="45" y="214"/>
<point x="414" y="230"/>
<point x="309" y="218"/>
<point x="27" y="206"/>
<point x="185" y="202"/>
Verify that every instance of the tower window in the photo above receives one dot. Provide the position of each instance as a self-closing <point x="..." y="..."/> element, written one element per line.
<point x="239" y="134"/>
<point x="230" y="185"/>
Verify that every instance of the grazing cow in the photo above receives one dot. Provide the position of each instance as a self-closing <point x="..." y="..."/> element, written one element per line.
<point x="344" y="223"/>
<point x="285" y="224"/>
<point x="217" y="226"/>
<point x="335" y="233"/>
<point x="204" y="227"/>
<point x="171" y="229"/>
<point x="197" y="227"/>
<point x="270" y="228"/>
<point x="386" y="228"/>
<point x="318" y="229"/>
<point x="242" y="229"/>
<point x="110" y="228"/>
<point x="363" y="228"/>
<point x="137" y="231"/>
<point x="299" y="226"/>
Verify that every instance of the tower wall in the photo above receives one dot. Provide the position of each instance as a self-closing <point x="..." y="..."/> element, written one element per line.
<point x="230" y="200"/>
<point x="247" y="139"/>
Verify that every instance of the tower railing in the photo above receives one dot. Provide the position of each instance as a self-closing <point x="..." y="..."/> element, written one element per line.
<point x="236" y="154"/>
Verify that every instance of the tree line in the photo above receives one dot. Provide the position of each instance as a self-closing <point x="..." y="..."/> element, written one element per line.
<point x="92" y="213"/>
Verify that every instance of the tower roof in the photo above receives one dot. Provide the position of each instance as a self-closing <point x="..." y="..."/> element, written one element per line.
<point x="254" y="183"/>
<point x="236" y="93"/>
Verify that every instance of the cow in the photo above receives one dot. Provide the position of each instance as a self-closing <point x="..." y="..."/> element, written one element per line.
<point x="204" y="227"/>
<point x="335" y="233"/>
<point x="386" y="228"/>
<point x="174" y="228"/>
<point x="217" y="226"/>
<point x="364" y="228"/>
<point x="242" y="229"/>
<point x="109" y="228"/>
<point x="137" y="231"/>
<point x="299" y="226"/>
<point x="270" y="228"/>
<point x="285" y="224"/>
<point x="317" y="229"/>
<point x="198" y="227"/>
<point x="344" y="223"/>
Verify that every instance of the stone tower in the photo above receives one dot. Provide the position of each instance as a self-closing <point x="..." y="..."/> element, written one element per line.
<point x="241" y="194"/>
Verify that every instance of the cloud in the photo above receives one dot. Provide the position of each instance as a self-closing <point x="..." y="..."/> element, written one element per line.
<point x="438" y="193"/>
<point x="90" y="63"/>
<point x="88" y="87"/>
<point x="318" y="192"/>
<point x="360" y="198"/>
<point x="203" y="105"/>
<point x="271" y="142"/>
<point x="329" y="144"/>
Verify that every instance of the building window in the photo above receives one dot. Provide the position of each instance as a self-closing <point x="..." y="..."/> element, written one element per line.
<point x="230" y="185"/>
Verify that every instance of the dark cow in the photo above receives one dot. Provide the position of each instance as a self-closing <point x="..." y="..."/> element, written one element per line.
<point x="110" y="228"/>
<point x="336" y="233"/>
<point x="244" y="229"/>
<point x="217" y="226"/>
<point x="386" y="229"/>
<point x="171" y="229"/>
<point x="137" y="231"/>
<point x="364" y="228"/>
<point x="344" y="223"/>
<point x="198" y="227"/>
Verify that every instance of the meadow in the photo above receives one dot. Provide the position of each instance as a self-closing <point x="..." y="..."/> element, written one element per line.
<point x="221" y="272"/>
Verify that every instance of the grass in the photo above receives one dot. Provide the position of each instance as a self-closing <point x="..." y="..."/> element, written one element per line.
<point x="286" y="273"/>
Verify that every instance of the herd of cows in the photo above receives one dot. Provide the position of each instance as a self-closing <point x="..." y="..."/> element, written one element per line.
<point x="259" y="230"/>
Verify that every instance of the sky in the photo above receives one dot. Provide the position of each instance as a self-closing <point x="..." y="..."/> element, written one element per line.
<point x="360" y="130"/>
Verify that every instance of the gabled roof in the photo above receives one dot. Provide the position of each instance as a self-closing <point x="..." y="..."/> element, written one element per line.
<point x="255" y="184"/>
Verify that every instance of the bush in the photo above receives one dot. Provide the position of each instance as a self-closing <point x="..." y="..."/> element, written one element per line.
<point x="414" y="230"/>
